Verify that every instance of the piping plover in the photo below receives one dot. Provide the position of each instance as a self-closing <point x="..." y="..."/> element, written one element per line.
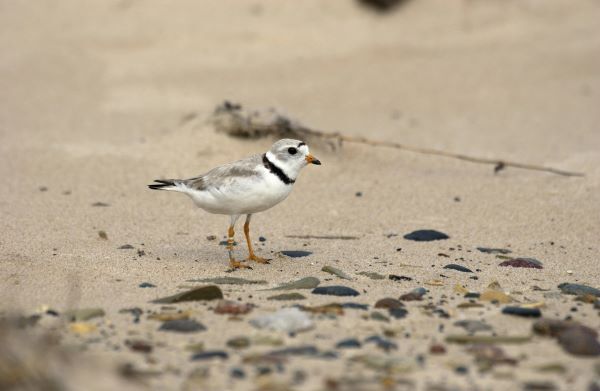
<point x="247" y="186"/>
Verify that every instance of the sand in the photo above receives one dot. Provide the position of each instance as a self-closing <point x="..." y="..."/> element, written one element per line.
<point x="97" y="99"/>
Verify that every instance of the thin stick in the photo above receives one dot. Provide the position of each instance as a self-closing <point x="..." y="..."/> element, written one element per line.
<point x="499" y="164"/>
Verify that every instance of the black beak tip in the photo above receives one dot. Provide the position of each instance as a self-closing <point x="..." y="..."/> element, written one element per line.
<point x="316" y="161"/>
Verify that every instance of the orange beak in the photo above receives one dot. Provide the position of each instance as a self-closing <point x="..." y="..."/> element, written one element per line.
<point x="310" y="159"/>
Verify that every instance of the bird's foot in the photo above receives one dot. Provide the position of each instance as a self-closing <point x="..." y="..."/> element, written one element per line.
<point x="235" y="265"/>
<point x="258" y="259"/>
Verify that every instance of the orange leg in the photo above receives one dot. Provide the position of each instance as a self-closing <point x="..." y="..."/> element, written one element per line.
<point x="230" y="239"/>
<point x="251" y="255"/>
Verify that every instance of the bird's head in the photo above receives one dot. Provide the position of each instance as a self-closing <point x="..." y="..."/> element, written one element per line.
<point x="291" y="156"/>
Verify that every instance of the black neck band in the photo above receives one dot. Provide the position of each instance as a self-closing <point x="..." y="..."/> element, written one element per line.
<point x="277" y="171"/>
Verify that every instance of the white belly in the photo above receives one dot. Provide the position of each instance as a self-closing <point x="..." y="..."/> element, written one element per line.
<point x="243" y="195"/>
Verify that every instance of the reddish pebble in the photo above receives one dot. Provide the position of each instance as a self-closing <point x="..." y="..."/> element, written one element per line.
<point x="437" y="349"/>
<point x="232" y="307"/>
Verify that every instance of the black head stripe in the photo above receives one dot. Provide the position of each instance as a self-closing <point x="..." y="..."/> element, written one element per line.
<point x="301" y="144"/>
<point x="276" y="170"/>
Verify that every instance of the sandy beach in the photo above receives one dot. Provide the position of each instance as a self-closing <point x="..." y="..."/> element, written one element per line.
<point x="99" y="98"/>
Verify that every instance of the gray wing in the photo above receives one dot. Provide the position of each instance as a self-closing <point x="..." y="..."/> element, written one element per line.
<point x="221" y="175"/>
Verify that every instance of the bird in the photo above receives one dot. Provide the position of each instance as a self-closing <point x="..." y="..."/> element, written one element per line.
<point x="245" y="187"/>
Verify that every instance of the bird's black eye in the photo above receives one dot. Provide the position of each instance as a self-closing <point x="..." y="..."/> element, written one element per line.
<point x="292" y="151"/>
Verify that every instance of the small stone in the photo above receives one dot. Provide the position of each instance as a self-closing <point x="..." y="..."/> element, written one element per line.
<point x="102" y="235"/>
<point x="229" y="281"/>
<point x="487" y="339"/>
<point x="579" y="342"/>
<point x="398" y="313"/>
<point x="388" y="303"/>
<point x="395" y="277"/>
<point x="288" y="296"/>
<point x="262" y="239"/>
<point x="296" y="253"/>
<point x="231" y="307"/>
<point x="42" y="188"/>
<point x="83" y="314"/>
<point x="459" y="268"/>
<point x="238" y="342"/>
<point x="82" y="328"/>
<point x="358" y="194"/>
<point x="426" y="235"/>
<point x="100" y="204"/>
<point x="210" y="238"/>
<point x="489" y="250"/>
<point x="372" y="275"/>
<point x="147" y="285"/>
<point x="355" y="306"/>
<point x="125" y="247"/>
<point x="437" y="349"/>
<point x="195" y="347"/>
<point x="539" y="385"/>
<point x="210" y="292"/>
<point x="415" y="294"/>
<point x="472" y="295"/>
<point x="308" y="350"/>
<point x="289" y="320"/>
<point x="473" y="326"/>
<point x="376" y="315"/>
<point x="209" y="355"/>
<point x="328" y="309"/>
<point x="382" y="343"/>
<point x="335" y="290"/>
<point x="182" y="326"/>
<point x="578" y="289"/>
<point x="237" y="373"/>
<point x="170" y="315"/>
<point x="520" y="311"/>
<point x="138" y="345"/>
<point x="336" y="272"/>
<point x="350" y="343"/>
<point x="303" y="283"/>
<point x="530" y="263"/>
<point x="487" y="355"/>
<point x="491" y="295"/>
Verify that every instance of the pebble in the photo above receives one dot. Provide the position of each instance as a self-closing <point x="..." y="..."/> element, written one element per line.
<point x="289" y="320"/>
<point x="182" y="326"/>
<point x="138" y="345"/>
<point x="336" y="272"/>
<point x="473" y="326"/>
<point x="238" y="342"/>
<point x="135" y="311"/>
<point x="146" y="285"/>
<point x="382" y="343"/>
<point x="210" y="355"/>
<point x="330" y="309"/>
<point x="350" y="343"/>
<point x="395" y="277"/>
<point x="230" y="281"/>
<point x="102" y="235"/>
<point x="100" y="204"/>
<point x="262" y="239"/>
<point x="355" y="306"/>
<point x="388" y="303"/>
<point x="523" y="262"/>
<point x="83" y="314"/>
<point x="579" y="342"/>
<point x="288" y="296"/>
<point x="307" y="350"/>
<point x="437" y="349"/>
<point x="303" y="283"/>
<point x="578" y="289"/>
<point x="232" y="307"/>
<point x="125" y="247"/>
<point x="335" y="290"/>
<point x="426" y="235"/>
<point x="163" y="316"/>
<point x="296" y="253"/>
<point x="210" y="292"/>
<point x="489" y="250"/>
<point x="415" y="294"/>
<point x="521" y="311"/>
<point x="372" y="275"/>
<point x="398" y="313"/>
<point x="237" y="373"/>
<point x="490" y="339"/>
<point x="459" y="268"/>
<point x="493" y="295"/>
<point x="376" y="315"/>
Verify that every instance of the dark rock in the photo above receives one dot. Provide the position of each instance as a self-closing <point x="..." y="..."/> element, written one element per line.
<point x="262" y="239"/>
<point x="426" y="235"/>
<point x="382" y="5"/>
<point x="437" y="349"/>
<point x="578" y="289"/>
<point x="335" y="290"/>
<point x="520" y="311"/>
<point x="349" y="343"/>
<point x="356" y="306"/>
<point x="229" y="281"/>
<point x="210" y="238"/>
<point x="459" y="268"/>
<point x="523" y="262"/>
<point x="395" y="277"/>
<point x="239" y="342"/>
<point x="102" y="235"/>
<point x="125" y="247"/>
<point x="579" y="342"/>
<point x="472" y="295"/>
<point x="296" y="253"/>
<point x="210" y="355"/>
<point x="398" y="313"/>
<point x="308" y="350"/>
<point x="553" y="327"/>
<point x="237" y="373"/>
<point x="415" y="294"/>
<point x="488" y="250"/>
<point x="147" y="285"/>
<point x="388" y="303"/>
<point x="461" y="370"/>
<point x="382" y="343"/>
<point x="231" y="307"/>
<point x="138" y="345"/>
<point x="210" y="292"/>
<point x="100" y="204"/>
<point x="288" y="296"/>
<point x="539" y="385"/>
<point x="182" y="326"/>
